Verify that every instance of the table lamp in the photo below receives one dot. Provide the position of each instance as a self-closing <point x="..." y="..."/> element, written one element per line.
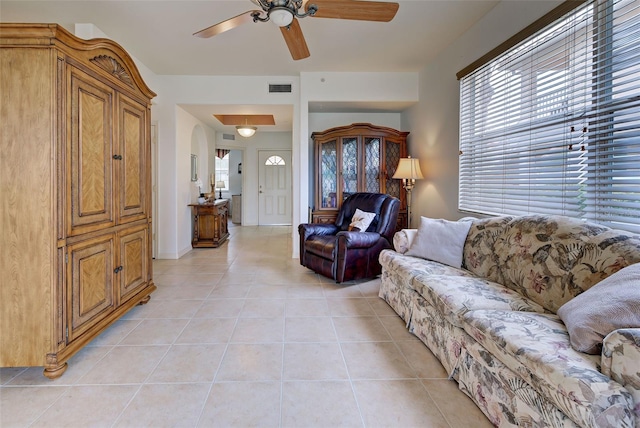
<point x="220" y="186"/>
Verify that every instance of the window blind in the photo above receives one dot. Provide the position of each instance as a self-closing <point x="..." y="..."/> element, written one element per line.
<point x="552" y="125"/>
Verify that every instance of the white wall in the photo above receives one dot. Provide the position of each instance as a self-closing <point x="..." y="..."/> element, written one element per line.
<point x="434" y="123"/>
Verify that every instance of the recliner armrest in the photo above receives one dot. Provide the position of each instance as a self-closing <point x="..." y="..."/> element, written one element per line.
<point x="308" y="229"/>
<point x="359" y="239"/>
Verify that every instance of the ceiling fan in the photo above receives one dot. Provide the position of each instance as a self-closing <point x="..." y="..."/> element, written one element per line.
<point x="284" y="14"/>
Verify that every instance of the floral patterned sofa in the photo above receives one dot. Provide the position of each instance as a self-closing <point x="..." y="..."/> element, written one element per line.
<point x="493" y="322"/>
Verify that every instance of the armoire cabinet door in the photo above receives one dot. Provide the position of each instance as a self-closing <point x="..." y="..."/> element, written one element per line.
<point x="90" y="292"/>
<point x="90" y="152"/>
<point x="134" y="259"/>
<point x="131" y="164"/>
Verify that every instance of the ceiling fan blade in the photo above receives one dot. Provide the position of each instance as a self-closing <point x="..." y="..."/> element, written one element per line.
<point x="227" y="25"/>
<point x="355" y="9"/>
<point x="295" y="40"/>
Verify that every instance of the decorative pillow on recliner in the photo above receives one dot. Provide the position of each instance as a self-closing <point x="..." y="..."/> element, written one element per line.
<point x="611" y="304"/>
<point x="440" y="240"/>
<point x="361" y="220"/>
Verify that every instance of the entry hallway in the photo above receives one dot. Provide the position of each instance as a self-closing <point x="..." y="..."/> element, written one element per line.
<point x="243" y="336"/>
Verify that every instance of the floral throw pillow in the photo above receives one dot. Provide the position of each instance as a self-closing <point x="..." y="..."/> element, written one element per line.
<point x="611" y="304"/>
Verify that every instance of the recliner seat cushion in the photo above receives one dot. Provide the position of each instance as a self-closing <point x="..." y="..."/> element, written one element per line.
<point x="536" y="346"/>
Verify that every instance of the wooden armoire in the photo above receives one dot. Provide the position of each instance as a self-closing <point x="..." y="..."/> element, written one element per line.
<point x="360" y="157"/>
<point x="75" y="205"/>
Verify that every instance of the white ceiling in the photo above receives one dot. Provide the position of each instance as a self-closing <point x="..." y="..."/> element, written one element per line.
<point x="159" y="33"/>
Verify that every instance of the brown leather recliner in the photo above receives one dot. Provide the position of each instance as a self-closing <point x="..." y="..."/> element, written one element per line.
<point x="335" y="252"/>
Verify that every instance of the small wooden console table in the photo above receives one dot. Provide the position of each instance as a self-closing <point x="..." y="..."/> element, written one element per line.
<point x="210" y="223"/>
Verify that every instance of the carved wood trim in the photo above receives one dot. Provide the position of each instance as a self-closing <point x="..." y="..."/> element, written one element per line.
<point x="113" y="67"/>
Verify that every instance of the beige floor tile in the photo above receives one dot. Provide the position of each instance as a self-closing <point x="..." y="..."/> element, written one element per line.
<point x="220" y="308"/>
<point x="230" y="291"/>
<point x="306" y="308"/>
<point x="155" y="332"/>
<point x="263" y="308"/>
<point x="307" y="290"/>
<point x="340" y="291"/>
<point x="397" y="403"/>
<point x="188" y="363"/>
<point x="263" y="291"/>
<point x="188" y="292"/>
<point x="174" y="309"/>
<point x="376" y="360"/>
<point x="313" y="361"/>
<point x="165" y="405"/>
<point x="352" y="329"/>
<point x="319" y="404"/>
<point x="237" y="278"/>
<point x="397" y="328"/>
<point x="242" y="404"/>
<point x="350" y="307"/>
<point x="258" y="330"/>
<point x="309" y="329"/>
<point x="115" y="333"/>
<point x="20" y="406"/>
<point x="458" y="409"/>
<point x="249" y="362"/>
<point x="380" y="307"/>
<point x="100" y="406"/>
<point x="125" y="365"/>
<point x="8" y="373"/>
<point x="425" y="364"/>
<point x="207" y="330"/>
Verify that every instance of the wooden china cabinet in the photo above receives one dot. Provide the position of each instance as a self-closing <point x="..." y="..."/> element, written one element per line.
<point x="360" y="157"/>
<point x="75" y="212"/>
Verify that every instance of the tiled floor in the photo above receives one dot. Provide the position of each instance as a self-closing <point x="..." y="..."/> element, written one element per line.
<point x="244" y="336"/>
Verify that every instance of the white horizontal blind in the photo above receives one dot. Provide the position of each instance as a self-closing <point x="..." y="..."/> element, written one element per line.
<point x="552" y="126"/>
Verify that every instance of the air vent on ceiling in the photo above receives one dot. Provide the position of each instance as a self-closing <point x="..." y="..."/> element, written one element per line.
<point x="228" y="137"/>
<point x="281" y="87"/>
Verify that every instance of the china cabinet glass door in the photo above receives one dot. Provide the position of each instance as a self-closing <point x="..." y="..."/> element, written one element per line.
<point x="349" y="167"/>
<point x="328" y="174"/>
<point x="372" y="160"/>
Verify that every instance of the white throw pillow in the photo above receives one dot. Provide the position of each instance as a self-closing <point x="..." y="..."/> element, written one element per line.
<point x="440" y="240"/>
<point x="361" y="220"/>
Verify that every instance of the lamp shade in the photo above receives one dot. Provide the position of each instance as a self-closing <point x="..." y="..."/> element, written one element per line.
<point x="408" y="168"/>
<point x="220" y="184"/>
<point x="246" y="130"/>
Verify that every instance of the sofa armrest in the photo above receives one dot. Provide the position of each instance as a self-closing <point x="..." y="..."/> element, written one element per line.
<point x="621" y="361"/>
<point x="358" y="239"/>
<point x="403" y="239"/>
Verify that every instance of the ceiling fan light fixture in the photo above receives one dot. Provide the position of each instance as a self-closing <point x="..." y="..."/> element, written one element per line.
<point x="246" y="131"/>
<point x="281" y="16"/>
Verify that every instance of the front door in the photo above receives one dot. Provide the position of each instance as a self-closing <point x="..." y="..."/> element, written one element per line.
<point x="274" y="193"/>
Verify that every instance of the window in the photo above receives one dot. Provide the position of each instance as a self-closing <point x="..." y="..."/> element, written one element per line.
<point x="552" y="125"/>
<point x="222" y="170"/>
<point x="274" y="161"/>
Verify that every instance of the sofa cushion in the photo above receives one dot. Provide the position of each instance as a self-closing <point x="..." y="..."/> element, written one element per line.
<point x="406" y="268"/>
<point x="440" y="240"/>
<point x="552" y="259"/>
<point x="536" y="346"/>
<point x="611" y="304"/>
<point x="455" y="296"/>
